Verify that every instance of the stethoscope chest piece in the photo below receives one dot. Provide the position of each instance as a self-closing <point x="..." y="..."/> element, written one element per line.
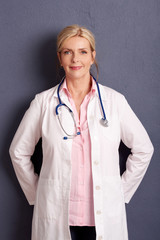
<point x="104" y="122"/>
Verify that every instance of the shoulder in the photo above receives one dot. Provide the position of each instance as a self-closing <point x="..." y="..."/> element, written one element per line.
<point x="47" y="93"/>
<point x="46" y="96"/>
<point x="43" y="99"/>
<point x="114" y="99"/>
<point x="108" y="93"/>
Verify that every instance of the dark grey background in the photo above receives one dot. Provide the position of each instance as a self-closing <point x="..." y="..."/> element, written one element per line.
<point x="128" y="52"/>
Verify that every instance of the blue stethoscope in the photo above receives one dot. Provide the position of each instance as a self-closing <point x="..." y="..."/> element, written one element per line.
<point x="103" y="120"/>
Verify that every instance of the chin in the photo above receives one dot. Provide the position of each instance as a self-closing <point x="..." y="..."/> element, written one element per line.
<point x="77" y="75"/>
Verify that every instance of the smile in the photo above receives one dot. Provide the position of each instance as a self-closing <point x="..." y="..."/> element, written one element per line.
<point x="76" y="68"/>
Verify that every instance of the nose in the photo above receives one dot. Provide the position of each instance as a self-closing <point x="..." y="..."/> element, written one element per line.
<point x="75" y="57"/>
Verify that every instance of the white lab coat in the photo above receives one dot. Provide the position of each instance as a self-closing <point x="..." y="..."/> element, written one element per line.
<point x="51" y="190"/>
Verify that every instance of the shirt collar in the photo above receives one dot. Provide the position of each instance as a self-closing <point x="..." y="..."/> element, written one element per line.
<point x="65" y="89"/>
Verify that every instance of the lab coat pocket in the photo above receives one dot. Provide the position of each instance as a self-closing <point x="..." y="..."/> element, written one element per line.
<point x="49" y="201"/>
<point x="113" y="198"/>
<point x="111" y="133"/>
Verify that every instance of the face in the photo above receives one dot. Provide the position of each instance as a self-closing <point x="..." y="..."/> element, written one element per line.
<point x="76" y="57"/>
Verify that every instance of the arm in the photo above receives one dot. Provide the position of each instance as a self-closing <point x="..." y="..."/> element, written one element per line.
<point x="136" y="138"/>
<point x="22" y="148"/>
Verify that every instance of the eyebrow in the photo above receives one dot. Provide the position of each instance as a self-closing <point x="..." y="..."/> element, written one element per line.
<point x="72" y="49"/>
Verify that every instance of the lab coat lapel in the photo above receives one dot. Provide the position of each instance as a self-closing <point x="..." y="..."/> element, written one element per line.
<point x="63" y="97"/>
<point x="65" y="144"/>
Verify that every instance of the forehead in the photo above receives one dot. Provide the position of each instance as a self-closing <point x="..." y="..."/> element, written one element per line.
<point x="76" y="42"/>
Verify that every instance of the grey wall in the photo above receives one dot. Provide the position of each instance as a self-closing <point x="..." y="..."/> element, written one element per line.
<point x="128" y="52"/>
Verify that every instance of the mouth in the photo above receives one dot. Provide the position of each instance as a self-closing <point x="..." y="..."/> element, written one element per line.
<point x="76" y="67"/>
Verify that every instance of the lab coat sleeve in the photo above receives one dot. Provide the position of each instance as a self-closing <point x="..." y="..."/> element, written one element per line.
<point x="135" y="137"/>
<point x="22" y="148"/>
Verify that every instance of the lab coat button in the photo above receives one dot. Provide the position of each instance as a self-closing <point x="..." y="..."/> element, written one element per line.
<point x="98" y="212"/>
<point x="96" y="162"/>
<point x="98" y="187"/>
<point x="91" y="118"/>
<point x="100" y="238"/>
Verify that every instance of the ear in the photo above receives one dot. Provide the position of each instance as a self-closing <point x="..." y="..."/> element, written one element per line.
<point x="59" y="57"/>
<point x="93" y="56"/>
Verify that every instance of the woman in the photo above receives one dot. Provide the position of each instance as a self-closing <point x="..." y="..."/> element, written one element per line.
<point x="81" y="123"/>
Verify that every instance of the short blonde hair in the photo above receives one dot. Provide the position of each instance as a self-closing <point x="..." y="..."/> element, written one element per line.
<point x="76" y="30"/>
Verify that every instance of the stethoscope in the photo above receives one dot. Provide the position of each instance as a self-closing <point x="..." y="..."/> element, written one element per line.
<point x="103" y="120"/>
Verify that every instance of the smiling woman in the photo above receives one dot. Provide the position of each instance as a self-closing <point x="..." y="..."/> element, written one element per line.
<point x="76" y="58"/>
<point x="81" y="32"/>
<point x="80" y="193"/>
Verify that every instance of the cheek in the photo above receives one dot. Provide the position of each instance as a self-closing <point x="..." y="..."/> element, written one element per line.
<point x="88" y="63"/>
<point x="89" y="60"/>
<point x="65" y="62"/>
<point x="65" y="58"/>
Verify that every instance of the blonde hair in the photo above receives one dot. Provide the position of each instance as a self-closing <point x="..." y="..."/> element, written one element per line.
<point x="76" y="30"/>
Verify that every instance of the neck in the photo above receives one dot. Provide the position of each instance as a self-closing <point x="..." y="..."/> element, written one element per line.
<point x="79" y="87"/>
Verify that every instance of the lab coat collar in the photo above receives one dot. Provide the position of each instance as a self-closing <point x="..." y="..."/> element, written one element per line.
<point x="64" y="97"/>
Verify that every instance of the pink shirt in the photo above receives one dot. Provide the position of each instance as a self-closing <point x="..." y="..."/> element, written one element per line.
<point x="81" y="211"/>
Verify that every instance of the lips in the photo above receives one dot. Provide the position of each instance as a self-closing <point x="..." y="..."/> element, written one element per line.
<point x="76" y="67"/>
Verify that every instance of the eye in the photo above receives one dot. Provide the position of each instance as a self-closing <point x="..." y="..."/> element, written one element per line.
<point x="67" y="52"/>
<point x="84" y="52"/>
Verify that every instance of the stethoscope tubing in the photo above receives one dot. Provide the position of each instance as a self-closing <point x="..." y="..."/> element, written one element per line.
<point x="100" y="99"/>
<point x="104" y="120"/>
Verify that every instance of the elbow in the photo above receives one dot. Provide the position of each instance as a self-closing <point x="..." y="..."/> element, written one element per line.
<point x="11" y="151"/>
<point x="151" y="150"/>
<point x="144" y="152"/>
